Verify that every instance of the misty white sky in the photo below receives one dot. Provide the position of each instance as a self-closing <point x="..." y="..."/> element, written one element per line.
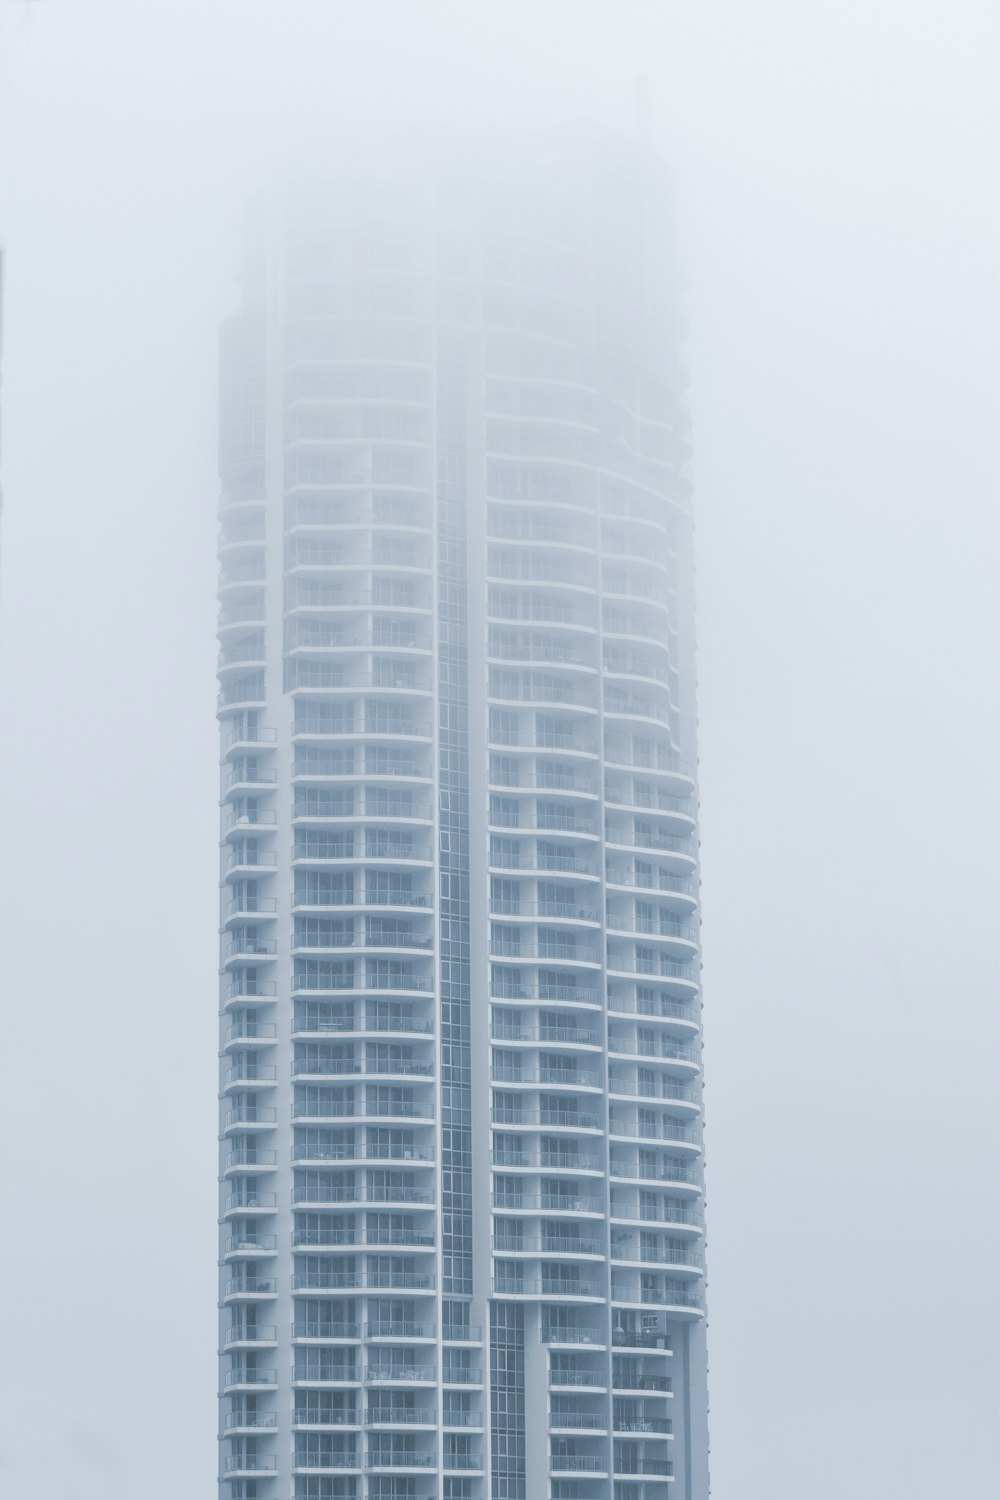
<point x="836" y="170"/>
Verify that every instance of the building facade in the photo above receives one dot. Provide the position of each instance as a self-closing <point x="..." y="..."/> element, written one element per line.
<point x="461" y="1186"/>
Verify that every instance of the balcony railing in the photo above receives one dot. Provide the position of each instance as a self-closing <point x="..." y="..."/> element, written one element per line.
<point x="358" y="1238"/>
<point x="512" y="1286"/>
<point x="377" y="1373"/>
<point x="250" y="1114"/>
<point x="560" y="1036"/>
<point x="250" y="1072"/>
<point x="393" y="1328"/>
<point x="336" y="1281"/>
<point x="657" y="1426"/>
<point x="250" y="1244"/>
<point x="250" y="1463"/>
<point x="546" y="1203"/>
<point x="390" y="1110"/>
<point x="251" y="1201"/>
<point x="547" y="1244"/>
<point x="549" y="1077"/>
<point x="251" y="1286"/>
<point x="250" y="1377"/>
<point x="547" y="1160"/>
<point x="565" y="910"/>
<point x="361" y="1194"/>
<point x="250" y="1335"/>
<point x="308" y="1329"/>
<point x="659" y="1468"/>
<point x="419" y="1155"/>
<point x="551" y="1118"/>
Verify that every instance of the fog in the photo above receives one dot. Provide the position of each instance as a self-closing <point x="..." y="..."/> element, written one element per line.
<point x="836" y="183"/>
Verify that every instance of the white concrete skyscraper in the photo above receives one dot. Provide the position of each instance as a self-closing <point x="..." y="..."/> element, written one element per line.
<point x="461" y="1184"/>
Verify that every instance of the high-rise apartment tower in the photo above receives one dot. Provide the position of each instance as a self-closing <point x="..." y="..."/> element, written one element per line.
<point x="461" y="1186"/>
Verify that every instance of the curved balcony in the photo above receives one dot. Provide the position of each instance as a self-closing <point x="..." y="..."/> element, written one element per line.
<point x="646" y="1468"/>
<point x="238" y="698"/>
<point x="329" y="1464"/>
<point x="557" y="996"/>
<point x="239" y="1337"/>
<point x="257" y="820"/>
<point x="249" y="1246"/>
<point x="678" y="848"/>
<point x="362" y="1194"/>
<point x="325" y="1421"/>
<point x="414" y="1157"/>
<point x="571" y="1466"/>
<point x="250" y="1202"/>
<point x="668" y="1131"/>
<point x="675" y="1058"/>
<point x="241" y="781"/>
<point x="323" y="1332"/>
<point x="533" y="1079"/>
<point x="243" y="862"/>
<point x="242" y="655"/>
<point x="577" y="1038"/>
<point x="537" y="955"/>
<point x="546" y="1120"/>
<point x="660" y="1216"/>
<point x="335" y="601"/>
<point x="549" y="1204"/>
<point x="249" y="907"/>
<point x="236" y="1381"/>
<point x="249" y="1117"/>
<point x="413" y="1283"/>
<point x="532" y="777"/>
<point x="670" y="975"/>
<point x="400" y="1330"/>
<point x="570" y="833"/>
<point x="250" y="1032"/>
<point x="657" y="1007"/>
<point x="239" y="617"/>
<point x="509" y="1160"/>
<point x="559" y="1246"/>
<point x="238" y="576"/>
<point x="385" y="854"/>
<point x="535" y="912"/>
<point x="250" y="1288"/>
<point x="511" y="858"/>
<point x="242" y="739"/>
<point x="249" y="1159"/>
<point x="237" y="1423"/>
<point x="249" y="1465"/>
<point x="312" y="986"/>
<point x="313" y="730"/>
<point x="677" y="1175"/>
<point x="682" y="1262"/>
<point x="328" y="1112"/>
<point x="356" y="1028"/>
<point x="577" y="666"/>
<point x="532" y="741"/>
<point x="391" y="1373"/>
<point x="514" y="1290"/>
<point x="592" y="1340"/>
<point x="402" y="1242"/>
<point x="249" y="951"/>
<point x="683" y="1302"/>
<point x="248" y="1073"/>
<point x="308" y="1071"/>
<point x="566" y="1422"/>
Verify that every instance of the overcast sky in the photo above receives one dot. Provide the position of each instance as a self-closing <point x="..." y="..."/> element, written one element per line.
<point x="836" y="177"/>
